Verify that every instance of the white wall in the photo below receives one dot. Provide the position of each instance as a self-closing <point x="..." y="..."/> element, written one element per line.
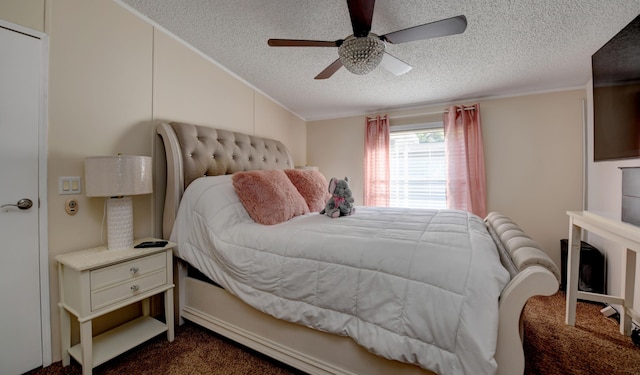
<point x="604" y="197"/>
<point x="27" y="13"/>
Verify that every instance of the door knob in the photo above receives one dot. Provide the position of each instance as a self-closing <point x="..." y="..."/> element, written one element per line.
<point x="23" y="204"/>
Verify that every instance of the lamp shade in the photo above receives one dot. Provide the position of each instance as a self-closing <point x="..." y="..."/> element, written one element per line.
<point x="113" y="176"/>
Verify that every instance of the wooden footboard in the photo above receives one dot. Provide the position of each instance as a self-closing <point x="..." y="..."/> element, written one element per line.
<point x="533" y="273"/>
<point x="533" y="281"/>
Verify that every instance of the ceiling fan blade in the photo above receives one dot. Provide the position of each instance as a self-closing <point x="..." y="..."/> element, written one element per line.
<point x="394" y="64"/>
<point x="361" y="12"/>
<point x="328" y="72"/>
<point x="449" y="26"/>
<point x="303" y="43"/>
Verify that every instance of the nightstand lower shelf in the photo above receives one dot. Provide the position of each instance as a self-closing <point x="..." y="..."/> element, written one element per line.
<point x="120" y="339"/>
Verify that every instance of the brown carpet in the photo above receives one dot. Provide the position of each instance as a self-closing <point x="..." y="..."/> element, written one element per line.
<point x="195" y="350"/>
<point x="593" y="346"/>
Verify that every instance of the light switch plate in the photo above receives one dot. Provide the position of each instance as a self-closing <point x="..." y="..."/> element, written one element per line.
<point x="69" y="185"/>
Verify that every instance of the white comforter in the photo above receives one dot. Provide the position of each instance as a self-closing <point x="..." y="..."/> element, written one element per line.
<point x="419" y="286"/>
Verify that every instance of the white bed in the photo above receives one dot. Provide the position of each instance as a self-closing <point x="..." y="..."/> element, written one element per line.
<point x="479" y="306"/>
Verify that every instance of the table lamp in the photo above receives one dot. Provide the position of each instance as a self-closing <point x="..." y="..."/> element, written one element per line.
<point x="118" y="177"/>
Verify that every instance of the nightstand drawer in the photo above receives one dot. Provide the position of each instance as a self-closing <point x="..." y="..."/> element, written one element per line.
<point x="119" y="292"/>
<point x="103" y="277"/>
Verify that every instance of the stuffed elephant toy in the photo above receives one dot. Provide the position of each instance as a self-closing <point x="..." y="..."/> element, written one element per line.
<point x="341" y="201"/>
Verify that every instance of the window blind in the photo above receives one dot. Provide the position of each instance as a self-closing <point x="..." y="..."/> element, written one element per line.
<point x="417" y="166"/>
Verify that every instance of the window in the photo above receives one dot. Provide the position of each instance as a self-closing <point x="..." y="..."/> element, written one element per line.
<point x="417" y="163"/>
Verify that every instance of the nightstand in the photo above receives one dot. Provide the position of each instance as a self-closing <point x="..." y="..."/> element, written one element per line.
<point x="97" y="281"/>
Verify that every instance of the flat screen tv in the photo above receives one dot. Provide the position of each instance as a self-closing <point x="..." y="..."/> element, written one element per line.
<point x="616" y="96"/>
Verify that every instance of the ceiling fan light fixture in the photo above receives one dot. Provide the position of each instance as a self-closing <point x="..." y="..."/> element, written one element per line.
<point x="361" y="55"/>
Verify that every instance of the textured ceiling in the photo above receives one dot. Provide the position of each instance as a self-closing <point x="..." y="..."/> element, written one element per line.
<point x="509" y="47"/>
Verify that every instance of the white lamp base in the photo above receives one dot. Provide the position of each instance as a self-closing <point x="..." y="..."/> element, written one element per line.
<point x="119" y="223"/>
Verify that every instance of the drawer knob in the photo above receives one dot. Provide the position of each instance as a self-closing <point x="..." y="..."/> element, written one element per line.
<point x="134" y="269"/>
<point x="135" y="288"/>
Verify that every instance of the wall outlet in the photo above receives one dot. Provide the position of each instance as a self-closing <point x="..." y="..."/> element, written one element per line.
<point x="71" y="206"/>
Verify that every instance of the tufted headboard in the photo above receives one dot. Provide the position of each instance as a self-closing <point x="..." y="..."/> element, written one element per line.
<point x="194" y="151"/>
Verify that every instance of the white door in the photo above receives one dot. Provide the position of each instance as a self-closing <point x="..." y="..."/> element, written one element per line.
<point x="20" y="311"/>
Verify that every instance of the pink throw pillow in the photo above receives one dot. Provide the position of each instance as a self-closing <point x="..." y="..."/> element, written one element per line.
<point x="312" y="185"/>
<point x="269" y="196"/>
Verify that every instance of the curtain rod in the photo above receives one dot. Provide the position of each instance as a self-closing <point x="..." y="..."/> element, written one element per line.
<point x="461" y="109"/>
<point x="374" y="118"/>
<point x="424" y="113"/>
<point x="416" y="115"/>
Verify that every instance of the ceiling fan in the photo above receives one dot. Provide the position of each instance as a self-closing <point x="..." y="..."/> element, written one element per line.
<point x="363" y="51"/>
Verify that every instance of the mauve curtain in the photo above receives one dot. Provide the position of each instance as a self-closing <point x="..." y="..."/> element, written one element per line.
<point x="376" y="161"/>
<point x="466" y="186"/>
